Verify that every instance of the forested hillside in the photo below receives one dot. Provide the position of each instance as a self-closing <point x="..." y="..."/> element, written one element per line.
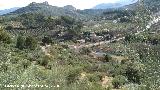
<point x="44" y="47"/>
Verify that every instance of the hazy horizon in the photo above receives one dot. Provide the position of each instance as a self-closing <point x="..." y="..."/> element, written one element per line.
<point x="79" y="4"/>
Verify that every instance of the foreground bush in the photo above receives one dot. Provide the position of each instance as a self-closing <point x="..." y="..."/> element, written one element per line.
<point x="46" y="40"/>
<point x="118" y="81"/>
<point x="30" y="43"/>
<point x="5" y="37"/>
<point x="20" y="42"/>
<point x="73" y="76"/>
<point x="26" y="43"/>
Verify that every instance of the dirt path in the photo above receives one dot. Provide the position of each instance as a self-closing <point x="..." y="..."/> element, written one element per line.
<point x="107" y="81"/>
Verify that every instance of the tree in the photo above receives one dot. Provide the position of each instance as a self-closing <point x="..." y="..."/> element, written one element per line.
<point x="30" y="43"/>
<point x="46" y="40"/>
<point x="154" y="41"/>
<point x="20" y="42"/>
<point x="143" y="14"/>
<point x="5" y="37"/>
<point x="50" y="22"/>
<point x="107" y="58"/>
<point x="67" y="20"/>
<point x="9" y="27"/>
<point x="133" y="74"/>
<point x="75" y="29"/>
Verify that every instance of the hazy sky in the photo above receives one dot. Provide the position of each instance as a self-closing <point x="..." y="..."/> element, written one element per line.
<point x="79" y="4"/>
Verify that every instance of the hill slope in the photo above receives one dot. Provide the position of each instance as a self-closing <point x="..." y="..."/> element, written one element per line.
<point x="108" y="5"/>
<point x="48" y="10"/>
<point x="114" y="5"/>
<point x="153" y="5"/>
<point x="8" y="10"/>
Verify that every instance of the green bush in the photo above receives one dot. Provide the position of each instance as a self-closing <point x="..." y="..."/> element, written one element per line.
<point x="118" y="81"/>
<point x="5" y="37"/>
<point x="107" y="58"/>
<point x="73" y="76"/>
<point x="44" y="61"/>
<point x="25" y="63"/>
<point x="46" y="40"/>
<point x="20" y="42"/>
<point x="14" y="60"/>
<point x="9" y="28"/>
<point x="96" y="77"/>
<point x="3" y="68"/>
<point x="133" y="74"/>
<point x="30" y="43"/>
<point x="85" y="50"/>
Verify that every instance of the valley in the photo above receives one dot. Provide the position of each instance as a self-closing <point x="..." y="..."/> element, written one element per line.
<point x="45" y="47"/>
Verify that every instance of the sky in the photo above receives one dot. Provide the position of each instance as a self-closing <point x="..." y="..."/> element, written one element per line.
<point x="79" y="4"/>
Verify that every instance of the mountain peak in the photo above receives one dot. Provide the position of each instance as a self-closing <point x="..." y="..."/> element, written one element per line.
<point x="43" y="3"/>
<point x="69" y="7"/>
<point x="33" y="3"/>
<point x="46" y="3"/>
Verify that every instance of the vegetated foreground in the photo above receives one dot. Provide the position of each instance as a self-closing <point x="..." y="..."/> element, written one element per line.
<point x="116" y="50"/>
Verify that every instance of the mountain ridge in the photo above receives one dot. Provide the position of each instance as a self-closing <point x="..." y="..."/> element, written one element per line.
<point x="5" y="11"/>
<point x="114" y="5"/>
<point x="48" y="10"/>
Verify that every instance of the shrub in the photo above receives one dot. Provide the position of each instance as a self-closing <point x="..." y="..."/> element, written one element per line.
<point x="96" y="86"/>
<point x="128" y="38"/>
<point x="118" y="81"/>
<point x="14" y="60"/>
<point x="95" y="77"/>
<point x="73" y="76"/>
<point x="49" y="66"/>
<point x="26" y="43"/>
<point x="3" y="67"/>
<point x="43" y="61"/>
<point x="25" y="63"/>
<point x="30" y="43"/>
<point x="20" y="42"/>
<point x="85" y="50"/>
<point x="97" y="68"/>
<point x="4" y="37"/>
<point x="9" y="28"/>
<point x="46" y="40"/>
<point x="133" y="74"/>
<point x="107" y="58"/>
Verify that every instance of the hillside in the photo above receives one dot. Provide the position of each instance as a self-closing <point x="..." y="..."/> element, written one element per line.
<point x="118" y="4"/>
<point x="48" y="10"/>
<point x="6" y="11"/>
<point x="44" y="47"/>
<point x="153" y="5"/>
<point x="108" y="5"/>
